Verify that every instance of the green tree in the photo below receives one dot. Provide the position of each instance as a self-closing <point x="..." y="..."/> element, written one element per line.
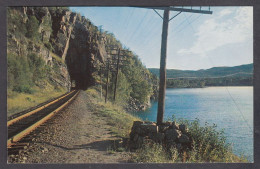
<point x="32" y="26"/>
<point x="19" y="74"/>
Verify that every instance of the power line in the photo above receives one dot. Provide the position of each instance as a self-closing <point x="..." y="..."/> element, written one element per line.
<point x="174" y="30"/>
<point x="150" y="31"/>
<point x="189" y="23"/>
<point x="146" y="23"/>
<point x="238" y="109"/>
<point x="138" y="27"/>
<point x="233" y="100"/>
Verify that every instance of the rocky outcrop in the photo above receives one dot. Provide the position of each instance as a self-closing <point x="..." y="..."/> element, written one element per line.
<point x="86" y="52"/>
<point x="136" y="105"/>
<point x="58" y="75"/>
<point x="68" y="36"/>
<point x="71" y="43"/>
<point x="169" y="134"/>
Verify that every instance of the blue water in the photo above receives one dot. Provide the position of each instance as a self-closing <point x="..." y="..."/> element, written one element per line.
<point x="230" y="108"/>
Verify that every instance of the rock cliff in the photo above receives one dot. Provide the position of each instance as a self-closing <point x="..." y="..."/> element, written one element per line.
<point x="67" y="41"/>
<point x="73" y="50"/>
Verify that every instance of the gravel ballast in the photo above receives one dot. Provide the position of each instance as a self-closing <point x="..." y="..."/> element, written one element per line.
<point x="74" y="135"/>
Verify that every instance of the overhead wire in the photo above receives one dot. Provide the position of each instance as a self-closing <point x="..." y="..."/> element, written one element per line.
<point x="144" y="27"/>
<point x="233" y="100"/>
<point x="128" y="21"/>
<point x="171" y="33"/>
<point x="138" y="27"/>
<point x="147" y="35"/>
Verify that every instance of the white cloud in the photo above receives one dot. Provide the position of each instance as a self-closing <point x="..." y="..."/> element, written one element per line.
<point x="224" y="12"/>
<point x="220" y="31"/>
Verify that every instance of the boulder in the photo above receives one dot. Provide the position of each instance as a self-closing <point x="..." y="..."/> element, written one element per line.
<point x="172" y="135"/>
<point x="163" y="128"/>
<point x="137" y="123"/>
<point x="183" y="128"/>
<point x="135" y="137"/>
<point x="140" y="142"/>
<point x="168" y="123"/>
<point x="183" y="139"/>
<point x="136" y="126"/>
<point x="149" y="128"/>
<point x="159" y="137"/>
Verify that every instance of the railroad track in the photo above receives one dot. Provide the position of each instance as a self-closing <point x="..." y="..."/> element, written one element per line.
<point x="22" y="125"/>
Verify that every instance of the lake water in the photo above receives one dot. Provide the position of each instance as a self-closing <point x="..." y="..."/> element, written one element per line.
<point x="230" y="108"/>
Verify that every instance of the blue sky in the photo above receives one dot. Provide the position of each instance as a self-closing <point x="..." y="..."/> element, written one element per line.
<point x="195" y="41"/>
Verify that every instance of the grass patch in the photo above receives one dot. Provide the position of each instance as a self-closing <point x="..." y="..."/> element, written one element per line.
<point x="17" y="102"/>
<point x="120" y="121"/>
<point x="155" y="153"/>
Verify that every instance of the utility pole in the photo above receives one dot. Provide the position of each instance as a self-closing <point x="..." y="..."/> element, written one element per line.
<point x="117" y="69"/>
<point x="113" y="65"/>
<point x="107" y="80"/>
<point x="100" y="82"/>
<point x="162" y="85"/>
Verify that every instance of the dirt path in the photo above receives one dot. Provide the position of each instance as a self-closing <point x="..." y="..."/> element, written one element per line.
<point x="76" y="135"/>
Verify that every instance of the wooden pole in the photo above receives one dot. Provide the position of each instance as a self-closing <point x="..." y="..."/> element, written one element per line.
<point x="101" y="82"/>
<point x="162" y="86"/>
<point x="117" y="70"/>
<point x="107" y="81"/>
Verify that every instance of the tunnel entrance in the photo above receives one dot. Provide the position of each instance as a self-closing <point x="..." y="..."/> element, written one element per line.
<point x="80" y="81"/>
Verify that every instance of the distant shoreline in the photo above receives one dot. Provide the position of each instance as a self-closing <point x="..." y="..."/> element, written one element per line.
<point x="207" y="87"/>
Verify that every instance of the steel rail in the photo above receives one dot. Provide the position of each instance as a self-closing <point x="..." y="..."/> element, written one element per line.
<point x="10" y="122"/>
<point x="12" y="141"/>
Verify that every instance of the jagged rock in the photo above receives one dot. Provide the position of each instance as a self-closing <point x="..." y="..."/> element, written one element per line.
<point x="183" y="128"/>
<point x="168" y="123"/>
<point x="163" y="128"/>
<point x="137" y="124"/>
<point x="135" y="138"/>
<point x="149" y="128"/>
<point x="135" y="105"/>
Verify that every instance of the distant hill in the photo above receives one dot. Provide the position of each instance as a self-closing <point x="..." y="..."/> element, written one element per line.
<point x="214" y="72"/>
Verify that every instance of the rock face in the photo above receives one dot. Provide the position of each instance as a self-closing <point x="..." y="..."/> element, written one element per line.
<point x="67" y="41"/>
<point x="86" y="51"/>
<point x="135" y="105"/>
<point x="168" y="134"/>
<point x="76" y="51"/>
<point x="79" y="43"/>
<point x="63" y="23"/>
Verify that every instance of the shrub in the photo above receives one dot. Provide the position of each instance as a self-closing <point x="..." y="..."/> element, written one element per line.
<point x="37" y="66"/>
<point x="208" y="145"/>
<point x="48" y="46"/>
<point x="24" y="88"/>
<point x="154" y="153"/>
<point x="24" y="71"/>
<point x="19" y="74"/>
<point x="15" y="22"/>
<point x="32" y="26"/>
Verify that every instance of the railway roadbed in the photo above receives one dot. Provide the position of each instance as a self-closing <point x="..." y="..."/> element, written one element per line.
<point x="75" y="135"/>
